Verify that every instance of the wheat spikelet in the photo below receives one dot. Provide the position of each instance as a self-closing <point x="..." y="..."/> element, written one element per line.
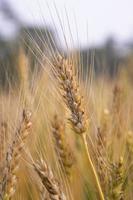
<point x="48" y="180"/>
<point x="72" y="97"/>
<point x="44" y="195"/>
<point x="66" y="158"/>
<point x="13" y="157"/>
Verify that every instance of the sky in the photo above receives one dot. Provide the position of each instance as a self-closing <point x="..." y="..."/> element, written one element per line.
<point x="82" y="21"/>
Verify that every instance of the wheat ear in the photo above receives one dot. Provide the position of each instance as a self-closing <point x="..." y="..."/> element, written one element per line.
<point x="48" y="180"/>
<point x="13" y="156"/>
<point x="118" y="181"/>
<point x="74" y="101"/>
<point x="65" y="155"/>
<point x="71" y="94"/>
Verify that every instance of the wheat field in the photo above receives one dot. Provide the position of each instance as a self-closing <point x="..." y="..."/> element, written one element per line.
<point x="66" y="134"/>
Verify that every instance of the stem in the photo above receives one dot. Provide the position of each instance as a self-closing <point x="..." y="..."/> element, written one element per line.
<point x="93" y="168"/>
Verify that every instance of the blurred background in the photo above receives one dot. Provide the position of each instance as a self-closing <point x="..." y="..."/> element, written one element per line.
<point x="102" y="28"/>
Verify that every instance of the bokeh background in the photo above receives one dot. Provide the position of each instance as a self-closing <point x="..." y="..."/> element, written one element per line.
<point x="102" y="28"/>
